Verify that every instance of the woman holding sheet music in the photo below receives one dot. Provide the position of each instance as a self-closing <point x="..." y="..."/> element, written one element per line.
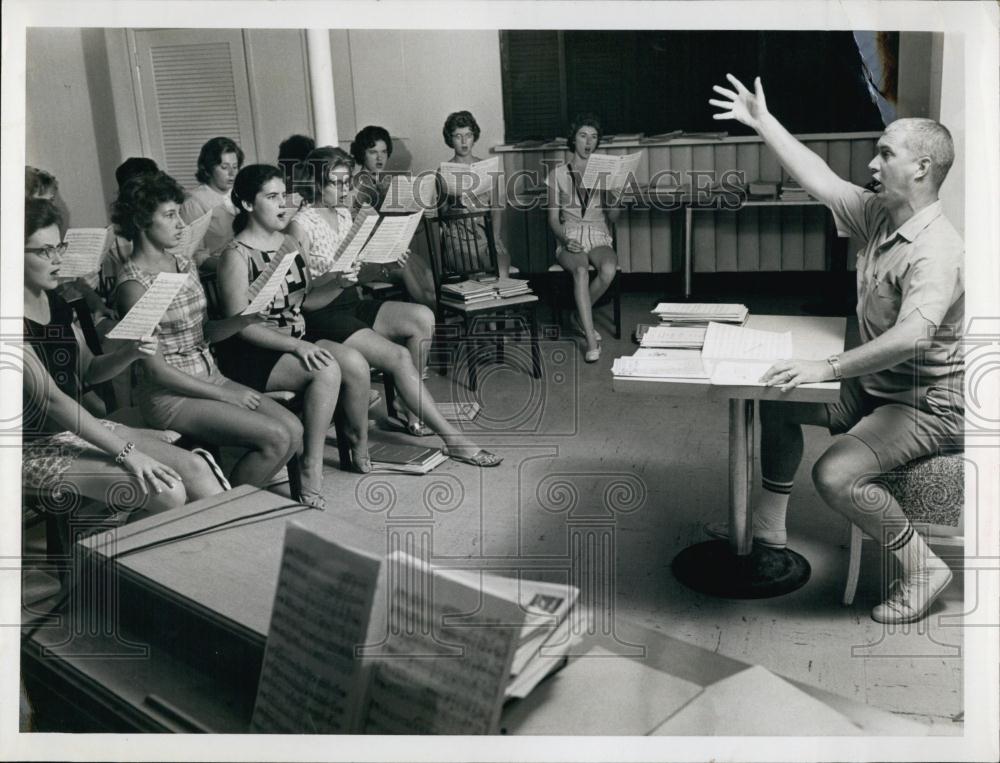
<point x="63" y="445"/>
<point x="218" y="162"/>
<point x="580" y="219"/>
<point x="282" y="354"/>
<point x="371" y="149"/>
<point x="391" y="336"/>
<point x="180" y="386"/>
<point x="461" y="132"/>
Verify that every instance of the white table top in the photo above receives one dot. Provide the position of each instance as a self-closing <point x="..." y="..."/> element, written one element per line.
<point x="813" y="338"/>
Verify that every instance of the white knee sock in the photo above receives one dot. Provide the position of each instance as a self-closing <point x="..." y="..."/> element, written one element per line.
<point x="910" y="549"/>
<point x="769" y="511"/>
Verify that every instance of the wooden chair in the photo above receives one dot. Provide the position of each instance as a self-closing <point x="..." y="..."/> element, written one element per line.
<point x="460" y="256"/>
<point x="931" y="492"/>
<point x="288" y="398"/>
<point x="561" y="288"/>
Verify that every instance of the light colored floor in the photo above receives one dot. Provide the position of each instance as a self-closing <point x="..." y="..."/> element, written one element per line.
<point x="645" y="474"/>
<point x="648" y="473"/>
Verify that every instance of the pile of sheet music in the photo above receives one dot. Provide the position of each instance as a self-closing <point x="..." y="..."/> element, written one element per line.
<point x="680" y="337"/>
<point x="472" y="293"/>
<point x="699" y="313"/>
<point x="408" y="459"/>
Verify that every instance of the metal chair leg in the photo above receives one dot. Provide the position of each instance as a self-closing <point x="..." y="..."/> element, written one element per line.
<point x="617" y="305"/>
<point x="536" y="355"/>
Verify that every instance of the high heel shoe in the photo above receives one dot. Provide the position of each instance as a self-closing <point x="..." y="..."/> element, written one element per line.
<point x="312" y="499"/>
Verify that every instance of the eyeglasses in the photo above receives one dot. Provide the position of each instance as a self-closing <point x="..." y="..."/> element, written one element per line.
<point x="48" y="252"/>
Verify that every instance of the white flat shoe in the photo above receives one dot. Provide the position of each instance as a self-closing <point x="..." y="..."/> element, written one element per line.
<point x="592" y="356"/>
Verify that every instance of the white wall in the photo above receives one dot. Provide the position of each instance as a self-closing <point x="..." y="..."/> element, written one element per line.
<point x="952" y="116"/>
<point x="409" y="81"/>
<point x="61" y="135"/>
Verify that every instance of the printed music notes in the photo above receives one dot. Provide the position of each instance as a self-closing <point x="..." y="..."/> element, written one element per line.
<point x="738" y="356"/>
<point x="84" y="248"/>
<point x="191" y="236"/>
<point x="147" y="313"/>
<point x="475" y="179"/>
<point x="266" y="286"/>
<point x="376" y="239"/>
<point x="606" y="172"/>
<point x="410" y="194"/>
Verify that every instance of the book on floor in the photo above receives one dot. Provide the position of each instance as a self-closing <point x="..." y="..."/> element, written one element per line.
<point x="401" y="457"/>
<point x="362" y="644"/>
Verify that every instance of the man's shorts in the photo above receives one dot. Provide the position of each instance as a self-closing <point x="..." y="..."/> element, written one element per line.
<point x="896" y="433"/>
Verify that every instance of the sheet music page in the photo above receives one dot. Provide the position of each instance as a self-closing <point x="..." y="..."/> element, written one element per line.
<point x="355" y="240"/>
<point x="266" y="286"/>
<point x="739" y="373"/>
<point x="146" y="314"/>
<point x="600" y="170"/>
<point x="84" y="247"/>
<point x="627" y="166"/>
<point x="429" y="678"/>
<point x="192" y="235"/>
<point x="311" y="681"/>
<point x="486" y="171"/>
<point x="698" y="308"/>
<point x="726" y="342"/>
<point x="681" y="364"/>
<point x="390" y="239"/>
<point x="400" y="195"/>
<point x="690" y="336"/>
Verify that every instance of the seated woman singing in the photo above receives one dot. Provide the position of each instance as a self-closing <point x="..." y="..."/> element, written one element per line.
<point x="580" y="219"/>
<point x="218" y="162"/>
<point x="371" y="149"/>
<point x="63" y="445"/>
<point x="461" y="131"/>
<point x="180" y="386"/>
<point x="392" y="336"/>
<point x="280" y="354"/>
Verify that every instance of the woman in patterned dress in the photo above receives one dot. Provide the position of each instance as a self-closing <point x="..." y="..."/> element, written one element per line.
<point x="180" y="387"/>
<point x="391" y="336"/>
<point x="580" y="218"/>
<point x="63" y="445"/>
<point x="281" y="354"/>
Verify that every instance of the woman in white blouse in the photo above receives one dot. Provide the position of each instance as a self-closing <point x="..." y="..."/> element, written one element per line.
<point x="218" y="162"/>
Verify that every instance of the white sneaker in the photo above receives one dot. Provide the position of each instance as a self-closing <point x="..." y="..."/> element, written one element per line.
<point x="776" y="539"/>
<point x="911" y="596"/>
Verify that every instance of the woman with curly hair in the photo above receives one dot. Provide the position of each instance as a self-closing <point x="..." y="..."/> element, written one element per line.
<point x="580" y="218"/>
<point x="218" y="162"/>
<point x="461" y="132"/>
<point x="371" y="149"/>
<point x="125" y="468"/>
<point x="180" y="386"/>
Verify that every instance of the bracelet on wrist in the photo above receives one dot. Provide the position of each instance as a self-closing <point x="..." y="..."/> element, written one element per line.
<point x="125" y="453"/>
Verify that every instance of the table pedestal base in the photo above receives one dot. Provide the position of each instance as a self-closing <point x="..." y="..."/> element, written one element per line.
<point x="714" y="569"/>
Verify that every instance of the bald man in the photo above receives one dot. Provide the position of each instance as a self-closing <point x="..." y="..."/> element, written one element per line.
<point x="901" y="391"/>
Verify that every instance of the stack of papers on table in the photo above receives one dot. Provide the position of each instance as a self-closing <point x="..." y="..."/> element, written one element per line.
<point x="700" y="313"/>
<point x="661" y="364"/>
<point x="408" y="459"/>
<point x="738" y="356"/>
<point x="681" y="337"/>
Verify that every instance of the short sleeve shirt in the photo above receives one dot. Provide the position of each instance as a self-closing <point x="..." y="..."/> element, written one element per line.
<point x="918" y="266"/>
<point x="204" y="199"/>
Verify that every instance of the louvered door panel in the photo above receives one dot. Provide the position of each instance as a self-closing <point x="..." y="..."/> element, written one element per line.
<point x="194" y="87"/>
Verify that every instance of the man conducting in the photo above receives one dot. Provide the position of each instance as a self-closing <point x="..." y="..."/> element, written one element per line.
<point x="901" y="391"/>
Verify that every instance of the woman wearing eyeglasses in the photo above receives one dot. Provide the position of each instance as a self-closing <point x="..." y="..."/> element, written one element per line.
<point x="64" y="446"/>
<point x="180" y="386"/>
<point x="391" y="336"/>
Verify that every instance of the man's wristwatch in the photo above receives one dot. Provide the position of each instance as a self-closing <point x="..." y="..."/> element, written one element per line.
<point x="834" y="361"/>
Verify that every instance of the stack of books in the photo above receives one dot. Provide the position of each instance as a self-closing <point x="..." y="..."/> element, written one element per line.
<point x="764" y="189"/>
<point x="678" y="337"/>
<point x="466" y="293"/>
<point x="792" y="191"/>
<point x="472" y="293"/>
<point x="407" y="459"/>
<point x="699" y="313"/>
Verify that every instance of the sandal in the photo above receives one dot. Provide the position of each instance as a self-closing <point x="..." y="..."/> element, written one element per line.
<point x="415" y="428"/>
<point x="214" y="466"/>
<point x="374" y="398"/>
<point x="312" y="499"/>
<point x="482" y="458"/>
<point x="361" y="465"/>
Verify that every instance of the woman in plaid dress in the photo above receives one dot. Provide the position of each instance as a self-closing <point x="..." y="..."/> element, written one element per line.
<point x="180" y="386"/>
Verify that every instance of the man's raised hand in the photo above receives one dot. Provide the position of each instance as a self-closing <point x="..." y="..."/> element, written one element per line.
<point x="742" y="105"/>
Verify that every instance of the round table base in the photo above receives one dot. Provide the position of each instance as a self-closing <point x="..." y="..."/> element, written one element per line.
<point x="714" y="569"/>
